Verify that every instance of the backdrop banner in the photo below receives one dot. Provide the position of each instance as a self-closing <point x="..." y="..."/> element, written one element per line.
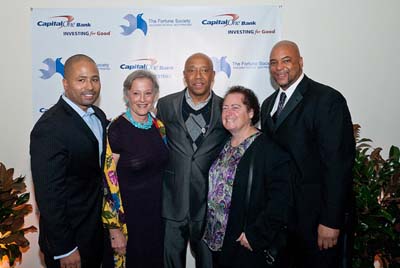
<point x="159" y="39"/>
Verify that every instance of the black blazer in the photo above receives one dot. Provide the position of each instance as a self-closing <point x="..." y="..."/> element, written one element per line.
<point x="67" y="178"/>
<point x="315" y="128"/>
<point x="185" y="182"/>
<point x="269" y="203"/>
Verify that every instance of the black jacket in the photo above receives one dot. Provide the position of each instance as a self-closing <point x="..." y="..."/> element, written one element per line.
<point x="67" y="178"/>
<point x="269" y="203"/>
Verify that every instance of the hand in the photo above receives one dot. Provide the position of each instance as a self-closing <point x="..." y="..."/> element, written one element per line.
<point x="327" y="237"/>
<point x="118" y="241"/>
<point x="243" y="241"/>
<point x="71" y="261"/>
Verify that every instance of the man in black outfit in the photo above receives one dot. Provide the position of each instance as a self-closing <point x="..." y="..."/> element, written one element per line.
<point x="67" y="154"/>
<point x="313" y="123"/>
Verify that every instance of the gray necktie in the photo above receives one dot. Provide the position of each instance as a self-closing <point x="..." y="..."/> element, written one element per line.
<point x="282" y="99"/>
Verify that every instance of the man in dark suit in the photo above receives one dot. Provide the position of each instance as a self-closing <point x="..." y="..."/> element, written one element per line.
<point x="313" y="123"/>
<point x="67" y="145"/>
<point x="195" y="136"/>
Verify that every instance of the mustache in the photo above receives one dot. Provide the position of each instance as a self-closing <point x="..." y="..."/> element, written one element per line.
<point x="88" y="91"/>
<point x="284" y="71"/>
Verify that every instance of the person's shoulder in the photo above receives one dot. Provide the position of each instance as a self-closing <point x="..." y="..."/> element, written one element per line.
<point x="217" y="97"/>
<point x="268" y="99"/>
<point x="170" y="97"/>
<point x="53" y="114"/>
<point x="261" y="147"/>
<point x="116" y="123"/>
<point x="50" y="121"/>
<point x="320" y="88"/>
<point x="260" y="143"/>
<point x="323" y="91"/>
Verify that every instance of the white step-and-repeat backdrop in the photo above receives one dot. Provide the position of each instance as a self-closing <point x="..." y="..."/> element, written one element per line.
<point x="122" y="40"/>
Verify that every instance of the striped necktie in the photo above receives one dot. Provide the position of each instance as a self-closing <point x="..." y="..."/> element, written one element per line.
<point x="281" y="103"/>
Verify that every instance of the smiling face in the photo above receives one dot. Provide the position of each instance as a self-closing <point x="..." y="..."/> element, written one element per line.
<point x="285" y="64"/>
<point x="82" y="83"/>
<point x="140" y="98"/>
<point x="199" y="76"/>
<point x="236" y="117"/>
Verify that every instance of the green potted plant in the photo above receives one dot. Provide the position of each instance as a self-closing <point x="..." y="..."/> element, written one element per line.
<point x="377" y="192"/>
<point x="13" y="209"/>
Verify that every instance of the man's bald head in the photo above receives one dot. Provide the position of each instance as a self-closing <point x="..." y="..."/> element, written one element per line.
<point x="288" y="44"/>
<point x="68" y="66"/>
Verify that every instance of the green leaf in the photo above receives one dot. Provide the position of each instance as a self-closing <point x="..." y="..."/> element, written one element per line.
<point x="394" y="153"/>
<point x="386" y="215"/>
<point x="13" y="208"/>
<point x="22" y="199"/>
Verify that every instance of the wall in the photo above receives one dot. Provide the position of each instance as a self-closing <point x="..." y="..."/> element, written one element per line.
<point x="350" y="45"/>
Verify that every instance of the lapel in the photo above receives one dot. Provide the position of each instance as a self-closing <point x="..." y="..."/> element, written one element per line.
<point x="294" y="100"/>
<point x="79" y="122"/>
<point x="177" y="106"/>
<point x="104" y="123"/>
<point x="215" y="114"/>
<point x="268" y="118"/>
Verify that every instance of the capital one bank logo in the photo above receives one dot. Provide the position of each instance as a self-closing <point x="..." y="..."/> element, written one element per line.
<point x="53" y="66"/>
<point x="223" y="20"/>
<point x="221" y="65"/>
<point x="135" y="23"/>
<point x="61" y="21"/>
<point x="140" y="64"/>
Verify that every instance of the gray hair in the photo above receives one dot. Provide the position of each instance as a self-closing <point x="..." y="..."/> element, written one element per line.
<point x="141" y="74"/>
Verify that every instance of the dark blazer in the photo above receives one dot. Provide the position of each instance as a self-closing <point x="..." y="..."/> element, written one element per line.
<point x="185" y="182"/>
<point x="67" y="178"/>
<point x="315" y="128"/>
<point x="268" y="206"/>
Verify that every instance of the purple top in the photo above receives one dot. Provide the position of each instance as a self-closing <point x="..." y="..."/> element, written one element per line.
<point x="221" y="177"/>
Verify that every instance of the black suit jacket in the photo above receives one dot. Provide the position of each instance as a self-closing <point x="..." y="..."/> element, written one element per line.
<point x="185" y="182"/>
<point x="315" y="128"/>
<point x="270" y="200"/>
<point x="67" y="178"/>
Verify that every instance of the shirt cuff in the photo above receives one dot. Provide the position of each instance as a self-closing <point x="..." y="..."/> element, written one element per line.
<point x="65" y="255"/>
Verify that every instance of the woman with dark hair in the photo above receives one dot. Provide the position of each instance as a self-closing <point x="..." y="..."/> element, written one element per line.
<point x="237" y="231"/>
<point x="133" y="190"/>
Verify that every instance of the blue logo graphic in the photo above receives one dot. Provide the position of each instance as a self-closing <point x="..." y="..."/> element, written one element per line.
<point x="53" y="67"/>
<point x="221" y="65"/>
<point x="134" y="24"/>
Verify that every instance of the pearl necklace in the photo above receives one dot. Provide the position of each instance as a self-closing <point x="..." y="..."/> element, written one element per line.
<point x="145" y="125"/>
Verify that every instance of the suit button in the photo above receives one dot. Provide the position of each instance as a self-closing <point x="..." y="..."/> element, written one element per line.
<point x="193" y="158"/>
